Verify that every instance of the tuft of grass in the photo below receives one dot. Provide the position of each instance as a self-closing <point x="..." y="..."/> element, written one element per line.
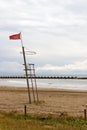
<point x="39" y="102"/>
<point x="20" y="122"/>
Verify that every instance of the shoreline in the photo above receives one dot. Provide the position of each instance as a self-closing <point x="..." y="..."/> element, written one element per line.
<point x="51" y="84"/>
<point x="42" y="89"/>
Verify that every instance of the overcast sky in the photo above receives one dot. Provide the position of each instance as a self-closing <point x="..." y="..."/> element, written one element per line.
<point x="55" y="29"/>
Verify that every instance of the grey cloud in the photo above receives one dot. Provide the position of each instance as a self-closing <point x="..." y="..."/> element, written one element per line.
<point x="56" y="29"/>
<point x="77" y="7"/>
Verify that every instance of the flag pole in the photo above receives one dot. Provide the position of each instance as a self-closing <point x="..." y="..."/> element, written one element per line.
<point x="25" y="64"/>
<point x="21" y="39"/>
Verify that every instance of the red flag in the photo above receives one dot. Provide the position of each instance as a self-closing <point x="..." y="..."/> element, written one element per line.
<point x="15" y="37"/>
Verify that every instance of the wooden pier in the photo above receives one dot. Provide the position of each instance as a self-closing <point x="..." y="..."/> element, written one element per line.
<point x="43" y="77"/>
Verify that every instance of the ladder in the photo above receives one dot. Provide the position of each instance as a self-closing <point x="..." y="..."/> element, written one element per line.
<point x="32" y="81"/>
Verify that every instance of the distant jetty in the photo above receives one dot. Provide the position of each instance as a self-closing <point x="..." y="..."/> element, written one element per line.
<point x="43" y="77"/>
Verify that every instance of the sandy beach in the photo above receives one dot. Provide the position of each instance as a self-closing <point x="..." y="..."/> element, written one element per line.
<point x="51" y="101"/>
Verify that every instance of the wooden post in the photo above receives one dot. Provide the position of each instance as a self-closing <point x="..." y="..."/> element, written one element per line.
<point x="30" y="67"/>
<point x="35" y="84"/>
<point x="85" y="114"/>
<point x="25" y="112"/>
<point x="26" y="73"/>
<point x="25" y="64"/>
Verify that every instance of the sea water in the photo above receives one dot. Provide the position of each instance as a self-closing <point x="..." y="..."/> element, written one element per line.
<point x="73" y="84"/>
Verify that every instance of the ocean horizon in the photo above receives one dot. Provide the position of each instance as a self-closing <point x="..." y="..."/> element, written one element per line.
<point x="71" y="84"/>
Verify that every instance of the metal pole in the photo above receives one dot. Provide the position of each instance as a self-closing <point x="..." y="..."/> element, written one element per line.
<point x="26" y="75"/>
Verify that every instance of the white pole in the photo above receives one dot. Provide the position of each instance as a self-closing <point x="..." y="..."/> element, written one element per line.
<point x="21" y="39"/>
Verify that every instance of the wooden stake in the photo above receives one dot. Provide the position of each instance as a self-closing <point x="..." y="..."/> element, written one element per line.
<point x="85" y="114"/>
<point x="25" y="112"/>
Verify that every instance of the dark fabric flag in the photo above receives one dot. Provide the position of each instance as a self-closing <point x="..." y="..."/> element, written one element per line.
<point x="15" y="37"/>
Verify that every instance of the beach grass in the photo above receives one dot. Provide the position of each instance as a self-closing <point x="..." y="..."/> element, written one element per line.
<point x="20" y="122"/>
